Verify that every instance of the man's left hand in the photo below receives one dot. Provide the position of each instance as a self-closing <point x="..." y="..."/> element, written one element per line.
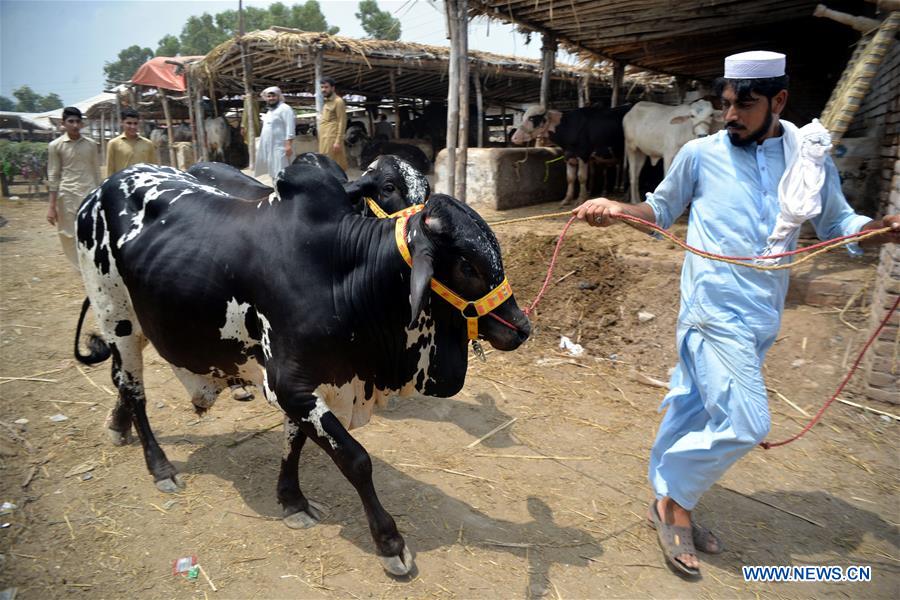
<point x="337" y="146"/>
<point x="891" y="237"/>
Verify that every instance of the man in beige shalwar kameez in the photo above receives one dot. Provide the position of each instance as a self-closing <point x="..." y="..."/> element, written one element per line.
<point x="332" y="124"/>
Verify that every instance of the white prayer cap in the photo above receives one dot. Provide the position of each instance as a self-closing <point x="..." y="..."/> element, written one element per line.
<point x="756" y="64"/>
<point x="272" y="90"/>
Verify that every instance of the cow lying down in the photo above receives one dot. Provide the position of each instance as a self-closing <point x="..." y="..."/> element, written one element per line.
<point x="297" y="294"/>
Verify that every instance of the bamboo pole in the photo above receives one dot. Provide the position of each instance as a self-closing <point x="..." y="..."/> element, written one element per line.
<point x="118" y="112"/>
<point x="249" y="113"/>
<point x="548" y="61"/>
<point x="860" y="24"/>
<point x="479" y="105"/>
<point x="194" y="125"/>
<point x="618" y="77"/>
<point x="452" y="94"/>
<point x="462" y="50"/>
<point x="103" y="140"/>
<point x="317" y="85"/>
<point x="393" y="82"/>
<point x="212" y="98"/>
<point x="505" y="126"/>
<point x="201" y="131"/>
<point x="170" y="134"/>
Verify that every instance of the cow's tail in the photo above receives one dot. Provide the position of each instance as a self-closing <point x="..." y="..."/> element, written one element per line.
<point x="99" y="350"/>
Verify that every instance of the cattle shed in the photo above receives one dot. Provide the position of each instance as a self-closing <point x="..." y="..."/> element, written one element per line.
<point x="289" y="58"/>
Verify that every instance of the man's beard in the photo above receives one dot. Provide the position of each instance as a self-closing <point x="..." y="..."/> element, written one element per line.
<point x="328" y="94"/>
<point x="754" y="137"/>
<point x="273" y="103"/>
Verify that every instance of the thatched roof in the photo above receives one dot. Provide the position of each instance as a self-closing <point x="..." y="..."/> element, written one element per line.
<point x="689" y="37"/>
<point x="285" y="57"/>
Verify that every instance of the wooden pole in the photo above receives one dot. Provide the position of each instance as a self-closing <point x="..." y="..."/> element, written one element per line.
<point x="194" y="124"/>
<point x="118" y="118"/>
<point x="479" y="105"/>
<point x="248" y="89"/>
<point x="201" y="131"/>
<point x="860" y="24"/>
<point x="103" y="140"/>
<point x="548" y="61"/>
<point x="320" y="100"/>
<point x="393" y="81"/>
<point x="618" y="78"/>
<point x="463" y="99"/>
<point x="212" y="98"/>
<point x="170" y="133"/>
<point x="452" y="95"/>
<point x="505" y="126"/>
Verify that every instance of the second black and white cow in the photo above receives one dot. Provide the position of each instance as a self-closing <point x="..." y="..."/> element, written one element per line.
<point x="584" y="134"/>
<point x="299" y="295"/>
<point x="321" y="161"/>
<point x="230" y="180"/>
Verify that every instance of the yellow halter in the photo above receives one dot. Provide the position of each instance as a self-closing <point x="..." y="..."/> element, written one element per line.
<point x="483" y="306"/>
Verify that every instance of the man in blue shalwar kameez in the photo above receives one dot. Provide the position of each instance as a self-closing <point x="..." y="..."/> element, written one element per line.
<point x="730" y="315"/>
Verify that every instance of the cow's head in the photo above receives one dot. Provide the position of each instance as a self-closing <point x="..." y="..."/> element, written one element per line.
<point x="538" y="122"/>
<point x="392" y="182"/>
<point x="451" y="243"/>
<point x="701" y="117"/>
<point x="355" y="134"/>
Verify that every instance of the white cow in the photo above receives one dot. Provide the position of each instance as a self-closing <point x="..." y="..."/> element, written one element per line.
<point x="218" y="135"/>
<point x="659" y="131"/>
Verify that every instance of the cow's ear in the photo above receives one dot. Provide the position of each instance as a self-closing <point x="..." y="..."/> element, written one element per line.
<point x="553" y="119"/>
<point x="680" y="120"/>
<point x="365" y="186"/>
<point x="422" y="272"/>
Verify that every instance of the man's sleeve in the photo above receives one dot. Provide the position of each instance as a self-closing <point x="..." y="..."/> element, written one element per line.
<point x="672" y="196"/>
<point x="340" y="113"/>
<point x="110" y="157"/>
<point x="290" y="123"/>
<point x="53" y="168"/>
<point x="837" y="217"/>
<point x="149" y="153"/>
<point x="95" y="163"/>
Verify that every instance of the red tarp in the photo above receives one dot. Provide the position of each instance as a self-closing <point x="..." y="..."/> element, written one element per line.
<point x="156" y="72"/>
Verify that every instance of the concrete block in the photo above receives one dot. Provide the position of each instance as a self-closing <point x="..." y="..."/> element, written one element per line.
<point x="502" y="178"/>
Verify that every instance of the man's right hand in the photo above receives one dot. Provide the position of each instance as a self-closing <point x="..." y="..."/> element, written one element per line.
<point x="51" y="214"/>
<point x="599" y="212"/>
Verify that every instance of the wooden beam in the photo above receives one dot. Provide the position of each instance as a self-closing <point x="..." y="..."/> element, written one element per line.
<point x="170" y="135"/>
<point x="618" y="78"/>
<point x="860" y="24"/>
<point x="452" y="94"/>
<point x="548" y="62"/>
<point x="462" y="49"/>
<point x="317" y="86"/>
<point x="246" y="68"/>
<point x="201" y="131"/>
<point x="479" y="105"/>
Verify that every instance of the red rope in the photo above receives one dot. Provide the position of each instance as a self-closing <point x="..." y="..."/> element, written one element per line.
<point x="543" y="289"/>
<point x="815" y="419"/>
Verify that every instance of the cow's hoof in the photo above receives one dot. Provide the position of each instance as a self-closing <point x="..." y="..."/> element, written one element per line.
<point x="305" y="519"/>
<point x="119" y="438"/>
<point x="565" y="202"/>
<point x="170" y="485"/>
<point x="398" y="565"/>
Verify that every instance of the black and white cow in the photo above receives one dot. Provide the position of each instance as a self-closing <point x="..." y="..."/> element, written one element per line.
<point x="411" y="154"/>
<point x="322" y="161"/>
<point x="297" y="294"/>
<point x="584" y="134"/>
<point x="230" y="180"/>
<point x="394" y="184"/>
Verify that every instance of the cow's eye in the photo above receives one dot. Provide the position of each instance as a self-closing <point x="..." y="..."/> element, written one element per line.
<point x="388" y="187"/>
<point x="467" y="269"/>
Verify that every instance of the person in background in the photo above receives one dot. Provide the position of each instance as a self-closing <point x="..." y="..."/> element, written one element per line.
<point x="740" y="183"/>
<point x="274" y="147"/>
<point x="383" y="128"/>
<point x="73" y="171"/>
<point x="129" y="148"/>
<point x="332" y="124"/>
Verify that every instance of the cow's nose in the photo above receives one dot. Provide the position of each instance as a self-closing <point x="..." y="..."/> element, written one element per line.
<point x="703" y="135"/>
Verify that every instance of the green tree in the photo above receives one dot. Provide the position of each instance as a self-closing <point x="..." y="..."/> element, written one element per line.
<point x="7" y="103"/>
<point x="128" y="61"/>
<point x="378" y="24"/>
<point x="169" y="45"/>
<point x="200" y="35"/>
<point x="308" y="17"/>
<point x="50" y="102"/>
<point x="28" y="99"/>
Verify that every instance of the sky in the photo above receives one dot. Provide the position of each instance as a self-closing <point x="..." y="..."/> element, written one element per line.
<point x="61" y="45"/>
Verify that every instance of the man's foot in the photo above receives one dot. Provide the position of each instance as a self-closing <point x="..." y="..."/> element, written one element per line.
<point x="704" y="539"/>
<point x="674" y="532"/>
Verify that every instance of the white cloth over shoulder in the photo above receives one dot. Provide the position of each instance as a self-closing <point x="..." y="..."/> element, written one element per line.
<point x="799" y="197"/>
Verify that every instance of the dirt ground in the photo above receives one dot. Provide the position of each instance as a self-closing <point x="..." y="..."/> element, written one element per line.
<point x="550" y="506"/>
